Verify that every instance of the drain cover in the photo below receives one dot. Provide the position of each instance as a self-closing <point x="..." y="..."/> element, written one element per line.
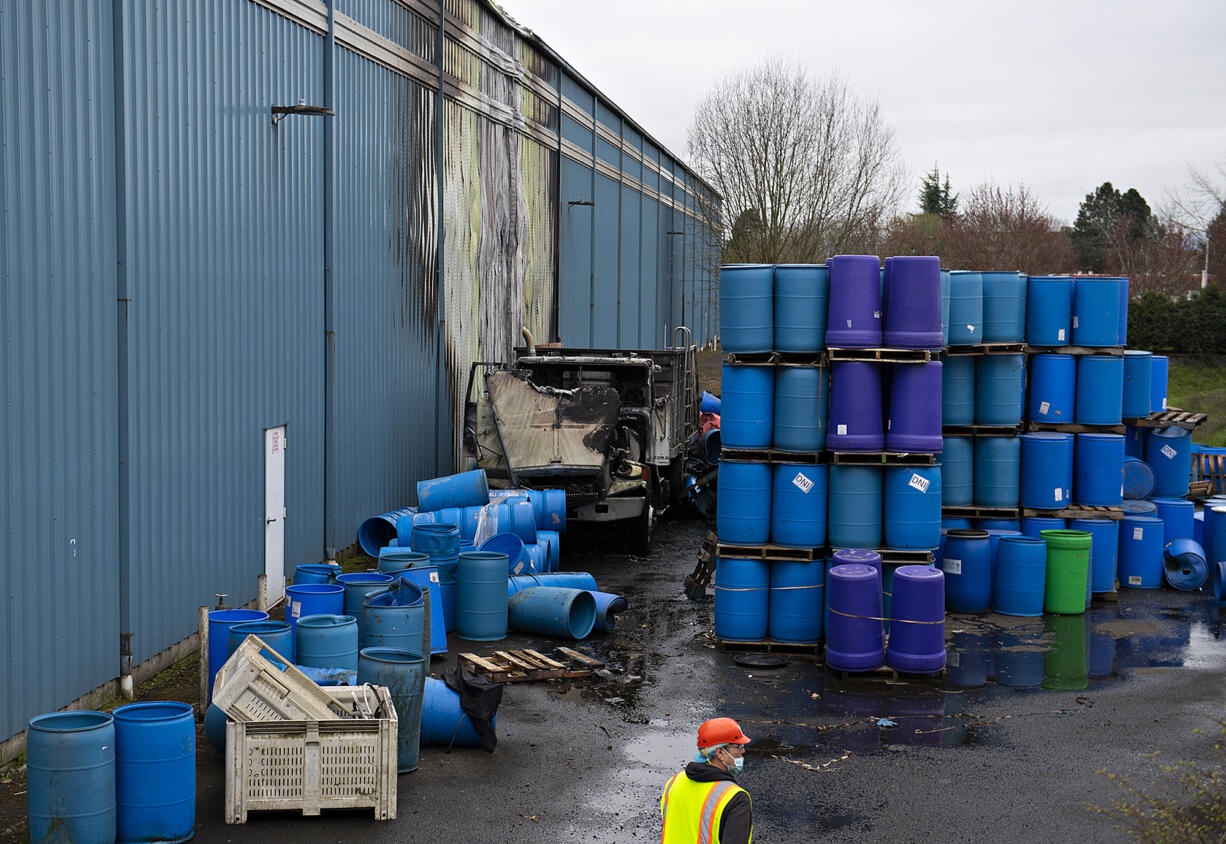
<point x="760" y="660"/>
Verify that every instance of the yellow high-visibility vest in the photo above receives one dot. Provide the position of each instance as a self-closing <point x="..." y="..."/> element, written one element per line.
<point x="692" y="810"/>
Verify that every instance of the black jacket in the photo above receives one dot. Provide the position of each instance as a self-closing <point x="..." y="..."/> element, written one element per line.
<point x="737" y="820"/>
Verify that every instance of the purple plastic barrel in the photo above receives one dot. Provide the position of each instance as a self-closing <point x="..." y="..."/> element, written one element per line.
<point x="855" y="407"/>
<point x="855" y="639"/>
<point x="915" y="408"/>
<point x="913" y="302"/>
<point x="854" y="308"/>
<point x="917" y="620"/>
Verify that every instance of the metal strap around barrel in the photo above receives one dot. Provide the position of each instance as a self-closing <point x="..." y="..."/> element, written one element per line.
<point x="741" y="588"/>
<point x="814" y="586"/>
<point x="891" y="620"/>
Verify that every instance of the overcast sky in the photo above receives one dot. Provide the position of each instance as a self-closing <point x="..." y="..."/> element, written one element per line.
<point x="1061" y="96"/>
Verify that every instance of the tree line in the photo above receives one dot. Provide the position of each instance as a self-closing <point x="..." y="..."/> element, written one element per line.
<point x="1193" y="325"/>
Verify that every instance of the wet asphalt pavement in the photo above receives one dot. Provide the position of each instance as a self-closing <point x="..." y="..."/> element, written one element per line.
<point x="1006" y="747"/>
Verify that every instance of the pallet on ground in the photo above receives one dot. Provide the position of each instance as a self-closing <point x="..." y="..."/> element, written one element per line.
<point x="882" y="355"/>
<point x="969" y="511"/>
<point x="1168" y="418"/>
<point x="733" y="551"/>
<point x="521" y="666"/>
<point x="1073" y="428"/>
<point x="1200" y="490"/>
<point x="1076" y="350"/>
<point x="772" y="455"/>
<point x="918" y="557"/>
<point x="981" y="430"/>
<point x="882" y="458"/>
<point x="766" y="646"/>
<point x="884" y="673"/>
<point x="987" y="349"/>
<point x="1077" y="511"/>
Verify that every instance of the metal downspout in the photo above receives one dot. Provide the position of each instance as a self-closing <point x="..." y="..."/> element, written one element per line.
<point x="329" y="245"/>
<point x="442" y="405"/>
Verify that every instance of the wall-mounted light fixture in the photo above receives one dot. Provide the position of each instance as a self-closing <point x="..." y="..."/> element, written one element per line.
<point x="575" y="202"/>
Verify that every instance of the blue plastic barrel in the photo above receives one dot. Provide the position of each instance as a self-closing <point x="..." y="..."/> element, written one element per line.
<point x="746" y="308"/>
<point x="1053" y="389"/>
<point x="1198" y="527"/>
<point x="1021" y="574"/>
<point x="708" y="403"/>
<point x="1104" y="551"/>
<point x="1139" y="508"/>
<point x="796" y="600"/>
<point x="514" y="515"/>
<point x="357" y="586"/>
<point x="1168" y="451"/>
<point x="428" y="579"/>
<point x="1134" y="441"/>
<point x="748" y="394"/>
<point x="1214" y="533"/>
<point x="398" y="559"/>
<point x="1100" y="389"/>
<point x="996" y="524"/>
<point x="854" y="517"/>
<point x="553" y="611"/>
<point x="1158" y="373"/>
<point x="958" y="471"/>
<point x="1218" y="575"/>
<point x="468" y="520"/>
<point x="1138" y="478"/>
<point x="278" y="635"/>
<point x="1004" y="307"/>
<point x="70" y="777"/>
<point x="997" y="471"/>
<point x="1099" y="480"/>
<point x="945" y="307"/>
<point x="917" y="620"/>
<point x="445" y="516"/>
<point x="1137" y="387"/>
<point x="742" y="596"/>
<point x="854" y="308"/>
<point x="513" y="547"/>
<point x="1035" y="525"/>
<point x="567" y="579"/>
<point x="1096" y="312"/>
<point x="220" y="622"/>
<point x="327" y="641"/>
<point x="463" y="489"/>
<point x="967" y="563"/>
<point x="608" y="606"/>
<point x="801" y="294"/>
<point x="1000" y="381"/>
<point x="394" y="618"/>
<point x="538" y="556"/>
<point x="798" y="505"/>
<point x="965" y="308"/>
<point x="1046" y="482"/>
<point x="549" y="507"/>
<point x="554" y="539"/>
<point x="403" y="671"/>
<point x="1184" y="566"/>
<point x="743" y="508"/>
<point x="912" y="506"/>
<point x="802" y="395"/>
<point x="313" y="599"/>
<point x="1124" y="299"/>
<point x="1177" y="518"/>
<point x="855" y="407"/>
<point x="155" y="771"/>
<point x="436" y="540"/>
<point x="481" y="596"/>
<point x="315" y="573"/>
<point x="1049" y="310"/>
<point x="377" y="531"/>
<point x="443" y="722"/>
<point x="994" y="537"/>
<point x="854" y="636"/>
<point x="958" y="390"/>
<point x="912" y="303"/>
<point x="1140" y="558"/>
<point x="915" y="408"/>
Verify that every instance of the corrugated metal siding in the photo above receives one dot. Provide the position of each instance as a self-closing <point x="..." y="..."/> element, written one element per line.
<point x="225" y="273"/>
<point x="59" y="522"/>
<point x="386" y="290"/>
<point x="575" y="255"/>
<point x="630" y="261"/>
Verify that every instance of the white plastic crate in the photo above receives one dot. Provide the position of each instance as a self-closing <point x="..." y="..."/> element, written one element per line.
<point x="309" y="766"/>
<point x="250" y="687"/>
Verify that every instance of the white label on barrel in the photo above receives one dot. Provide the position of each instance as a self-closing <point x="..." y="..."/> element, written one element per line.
<point x="1134" y="580"/>
<point x="1138" y="533"/>
<point x="970" y="328"/>
<point x="842" y="430"/>
<point x="1168" y="452"/>
<point x="1060" y="334"/>
<point x="919" y="482"/>
<point x="1059" y="494"/>
<point x="849" y="323"/>
<point x="802" y="483"/>
<point x="1044" y="407"/>
<point x="434" y="577"/>
<point x="876" y="314"/>
<point x="1074" y="322"/>
<point x="295" y="608"/>
<point x="1164" y="402"/>
<point x="952" y="566"/>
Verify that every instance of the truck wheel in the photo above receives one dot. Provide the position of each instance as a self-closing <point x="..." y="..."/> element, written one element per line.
<point x="640" y="540"/>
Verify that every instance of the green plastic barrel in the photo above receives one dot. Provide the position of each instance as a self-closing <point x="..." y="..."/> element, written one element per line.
<point x="1066" y="664"/>
<point x="1068" y="566"/>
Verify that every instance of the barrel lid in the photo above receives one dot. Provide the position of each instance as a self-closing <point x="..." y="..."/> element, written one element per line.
<point x="1137" y="517"/>
<point x="1138" y="353"/>
<point x="856" y="556"/>
<point x="1048" y="435"/>
<point x="1101" y="436"/>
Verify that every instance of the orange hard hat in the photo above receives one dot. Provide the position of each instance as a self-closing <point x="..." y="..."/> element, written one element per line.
<point x="720" y="731"/>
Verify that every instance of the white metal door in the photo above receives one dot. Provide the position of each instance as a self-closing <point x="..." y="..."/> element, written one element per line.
<point x="274" y="513"/>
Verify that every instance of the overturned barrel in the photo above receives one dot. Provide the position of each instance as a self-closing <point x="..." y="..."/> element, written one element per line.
<point x="917" y="620"/>
<point x="463" y="489"/>
<point x="855" y="407"/>
<point x="443" y="722"/>
<point x="915" y="408"/>
<point x="855" y="639"/>
<point x="854" y="309"/>
<point x="553" y="611"/>
<point x="913" y="303"/>
<point x="378" y="531"/>
<point x="1138" y="479"/>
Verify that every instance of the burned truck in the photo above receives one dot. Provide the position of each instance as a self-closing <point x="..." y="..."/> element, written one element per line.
<point x="607" y="425"/>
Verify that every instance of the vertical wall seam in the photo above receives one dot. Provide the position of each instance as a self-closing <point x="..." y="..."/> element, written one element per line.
<point x="440" y="380"/>
<point x="329" y="245"/>
<point x="122" y="305"/>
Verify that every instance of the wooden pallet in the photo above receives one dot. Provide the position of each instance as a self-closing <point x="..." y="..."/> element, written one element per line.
<point x="1078" y="511"/>
<point x="772" y="455"/>
<point x="883" y="673"/>
<point x="987" y="349"/>
<point x="529" y="665"/>
<point x="981" y="430"/>
<point x="956" y="511"/>
<point x="898" y="555"/>
<point x="1168" y="418"/>
<point x="769" y="552"/>
<point x="752" y="358"/>
<point x="810" y="359"/>
<point x="882" y="458"/>
<point x="883" y="355"/>
<point x="1076" y="350"/>
<point x="768" y="646"/>
<point x="1200" y="490"/>
<point x="1073" y="428"/>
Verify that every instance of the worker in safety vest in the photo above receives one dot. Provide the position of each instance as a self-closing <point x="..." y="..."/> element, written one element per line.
<point x="703" y="804"/>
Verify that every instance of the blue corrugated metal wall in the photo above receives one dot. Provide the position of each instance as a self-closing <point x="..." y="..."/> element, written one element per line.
<point x="167" y="294"/>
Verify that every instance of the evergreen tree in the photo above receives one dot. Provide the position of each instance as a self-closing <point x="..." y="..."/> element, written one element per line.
<point x="1105" y="218"/>
<point x="937" y="197"/>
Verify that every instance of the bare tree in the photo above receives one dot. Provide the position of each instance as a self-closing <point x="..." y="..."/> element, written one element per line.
<point x="1005" y="230"/>
<point x="806" y="167"/>
<point x="1201" y="208"/>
